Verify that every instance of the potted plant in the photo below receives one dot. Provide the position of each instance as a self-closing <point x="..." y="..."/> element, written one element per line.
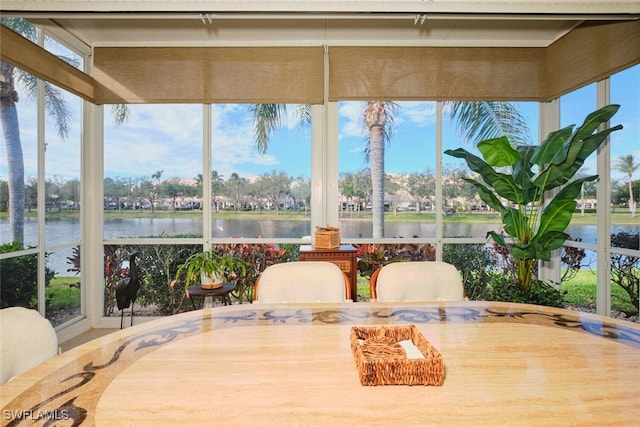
<point x="533" y="189"/>
<point x="210" y="268"/>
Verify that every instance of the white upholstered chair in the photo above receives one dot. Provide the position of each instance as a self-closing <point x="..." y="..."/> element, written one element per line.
<point x="26" y="340"/>
<point x="417" y="281"/>
<point x="302" y="282"/>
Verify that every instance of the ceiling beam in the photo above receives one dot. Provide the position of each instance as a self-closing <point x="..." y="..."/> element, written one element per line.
<point x="356" y="6"/>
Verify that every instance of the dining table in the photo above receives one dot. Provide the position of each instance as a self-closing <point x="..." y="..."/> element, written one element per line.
<point x="293" y="365"/>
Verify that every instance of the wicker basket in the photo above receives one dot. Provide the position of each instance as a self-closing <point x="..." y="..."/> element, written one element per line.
<point x="327" y="238"/>
<point x="382" y="361"/>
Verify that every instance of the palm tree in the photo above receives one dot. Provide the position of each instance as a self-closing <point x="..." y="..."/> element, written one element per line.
<point x="626" y="164"/>
<point x="378" y="118"/>
<point x="55" y="105"/>
<point x="234" y="186"/>
<point x="217" y="183"/>
<point x="476" y="120"/>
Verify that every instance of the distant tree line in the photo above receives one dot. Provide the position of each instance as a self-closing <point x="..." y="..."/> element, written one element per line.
<point x="275" y="191"/>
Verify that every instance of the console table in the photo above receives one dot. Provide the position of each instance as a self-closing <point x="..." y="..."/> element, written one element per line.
<point x="344" y="257"/>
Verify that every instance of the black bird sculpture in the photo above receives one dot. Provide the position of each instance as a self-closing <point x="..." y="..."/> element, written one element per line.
<point x="127" y="288"/>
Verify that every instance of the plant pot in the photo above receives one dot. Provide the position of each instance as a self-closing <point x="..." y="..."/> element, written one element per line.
<point x="210" y="281"/>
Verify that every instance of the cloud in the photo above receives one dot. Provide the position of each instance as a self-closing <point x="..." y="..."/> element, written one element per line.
<point x="418" y="113"/>
<point x="350" y="119"/>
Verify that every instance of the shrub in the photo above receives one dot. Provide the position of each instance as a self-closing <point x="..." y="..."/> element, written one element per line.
<point x="19" y="278"/>
<point x="157" y="265"/>
<point x="625" y="269"/>
<point x="476" y="263"/>
<point x="503" y="288"/>
<point x="259" y="256"/>
<point x="373" y="256"/>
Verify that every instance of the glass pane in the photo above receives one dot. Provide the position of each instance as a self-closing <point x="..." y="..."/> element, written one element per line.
<point x="407" y="165"/>
<point x="62" y="205"/>
<point x="625" y="151"/>
<point x="63" y="291"/>
<point x="465" y="214"/>
<point x="62" y="167"/>
<point x="258" y="194"/>
<point x="578" y="278"/>
<point x="151" y="168"/>
<point x="625" y="186"/>
<point x="574" y="108"/>
<point x="63" y="53"/>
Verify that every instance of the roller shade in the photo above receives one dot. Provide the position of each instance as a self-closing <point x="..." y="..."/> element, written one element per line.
<point x="209" y="74"/>
<point x="436" y="73"/>
<point x="590" y="53"/>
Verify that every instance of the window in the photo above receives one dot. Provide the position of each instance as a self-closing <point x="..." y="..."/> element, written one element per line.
<point x="152" y="172"/>
<point x="257" y="194"/>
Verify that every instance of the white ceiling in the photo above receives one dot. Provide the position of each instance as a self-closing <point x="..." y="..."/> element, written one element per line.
<point x="234" y="30"/>
<point x="522" y="23"/>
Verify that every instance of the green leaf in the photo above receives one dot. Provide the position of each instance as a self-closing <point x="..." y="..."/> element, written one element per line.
<point x="554" y="148"/>
<point x="556" y="216"/>
<point x="516" y="225"/>
<point x="503" y="184"/>
<point x="559" y="174"/>
<point x="593" y="121"/>
<point x="547" y="242"/>
<point x="522" y="173"/>
<point x="498" y="238"/>
<point x="580" y="145"/>
<point x="498" y="152"/>
<point x="526" y="251"/>
<point x="487" y="196"/>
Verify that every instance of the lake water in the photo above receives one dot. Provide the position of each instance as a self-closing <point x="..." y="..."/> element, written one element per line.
<point x="64" y="230"/>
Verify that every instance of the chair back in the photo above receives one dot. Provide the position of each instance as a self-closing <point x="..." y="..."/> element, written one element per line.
<point x="302" y="282"/>
<point x="417" y="281"/>
<point x="26" y="340"/>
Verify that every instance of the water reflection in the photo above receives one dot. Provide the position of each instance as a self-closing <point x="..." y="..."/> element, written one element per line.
<point x="62" y="230"/>
<point x="66" y="230"/>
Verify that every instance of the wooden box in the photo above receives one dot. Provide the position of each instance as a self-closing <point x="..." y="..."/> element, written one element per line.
<point x="327" y="238"/>
<point x="382" y="360"/>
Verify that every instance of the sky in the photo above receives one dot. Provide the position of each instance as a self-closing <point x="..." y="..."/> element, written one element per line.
<point x="168" y="137"/>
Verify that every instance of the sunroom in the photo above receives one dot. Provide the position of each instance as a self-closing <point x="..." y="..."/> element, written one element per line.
<point x="187" y="75"/>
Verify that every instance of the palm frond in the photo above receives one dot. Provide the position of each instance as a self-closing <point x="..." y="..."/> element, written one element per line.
<point x="626" y="164"/>
<point x="266" y="119"/>
<point x="54" y="101"/>
<point x="303" y="114"/>
<point x="480" y="120"/>
<point x="120" y="113"/>
<point x="56" y="106"/>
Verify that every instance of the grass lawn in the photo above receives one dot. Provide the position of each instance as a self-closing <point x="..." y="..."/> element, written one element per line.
<point x="581" y="290"/>
<point x="63" y="292"/>
<point x="617" y="217"/>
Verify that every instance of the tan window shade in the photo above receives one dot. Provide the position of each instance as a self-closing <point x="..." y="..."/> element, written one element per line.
<point x="434" y="73"/>
<point x="22" y="53"/>
<point x="209" y="74"/>
<point x="590" y="53"/>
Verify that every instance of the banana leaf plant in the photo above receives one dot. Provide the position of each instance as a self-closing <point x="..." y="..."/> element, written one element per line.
<point x="518" y="181"/>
